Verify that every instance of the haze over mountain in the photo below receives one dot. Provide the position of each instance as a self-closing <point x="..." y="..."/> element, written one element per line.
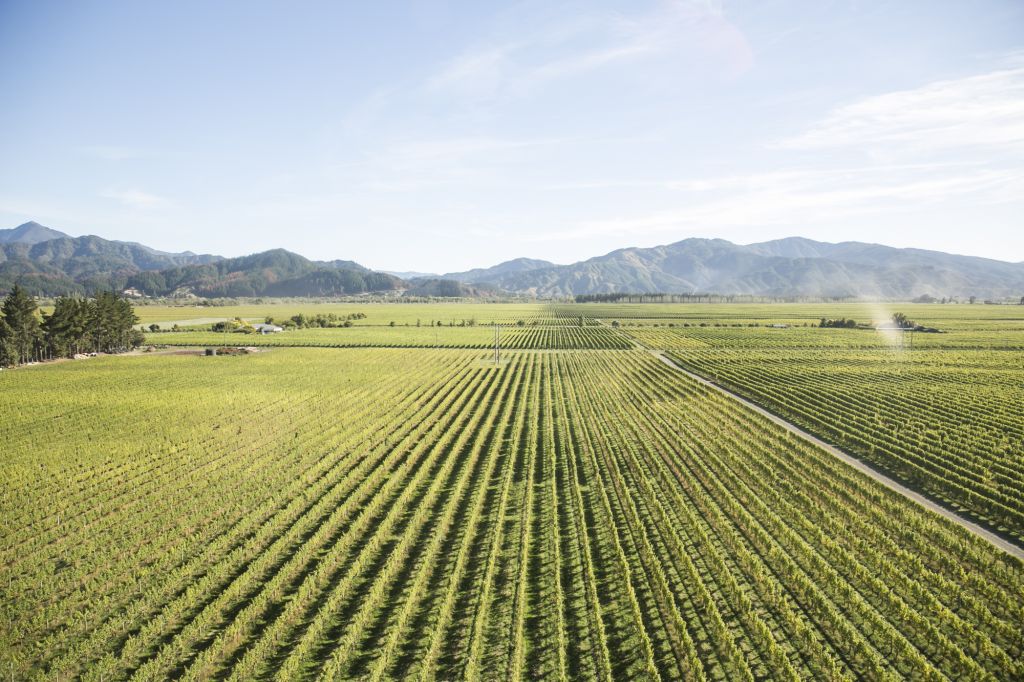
<point x="791" y="267"/>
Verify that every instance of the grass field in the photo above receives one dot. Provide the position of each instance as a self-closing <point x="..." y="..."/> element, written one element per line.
<point x="406" y="513"/>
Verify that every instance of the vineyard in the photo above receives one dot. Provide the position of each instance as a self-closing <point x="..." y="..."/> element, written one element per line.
<point x="557" y="337"/>
<point x="397" y="513"/>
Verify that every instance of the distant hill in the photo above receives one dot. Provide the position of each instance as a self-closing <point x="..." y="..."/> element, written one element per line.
<point x="29" y="233"/>
<point x="507" y="269"/>
<point x="449" y="288"/>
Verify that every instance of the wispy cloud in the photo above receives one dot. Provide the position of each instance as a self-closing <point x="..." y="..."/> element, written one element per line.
<point x="480" y="71"/>
<point x="985" y="110"/>
<point x="134" y="198"/>
<point x="696" y="30"/>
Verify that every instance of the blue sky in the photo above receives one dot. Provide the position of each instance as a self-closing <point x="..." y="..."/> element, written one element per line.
<point x="438" y="136"/>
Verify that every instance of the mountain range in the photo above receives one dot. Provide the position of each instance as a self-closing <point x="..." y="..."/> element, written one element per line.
<point x="790" y="267"/>
<point x="48" y="262"/>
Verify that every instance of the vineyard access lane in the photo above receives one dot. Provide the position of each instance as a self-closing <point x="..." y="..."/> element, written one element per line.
<point x="970" y="526"/>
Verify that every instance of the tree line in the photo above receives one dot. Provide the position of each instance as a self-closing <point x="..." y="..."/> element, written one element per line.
<point x="100" y="324"/>
<point x="839" y="323"/>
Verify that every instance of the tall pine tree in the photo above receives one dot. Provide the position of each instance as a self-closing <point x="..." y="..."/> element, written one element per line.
<point x="66" y="328"/>
<point x="110" y="323"/>
<point x="23" y="333"/>
<point x="8" y="356"/>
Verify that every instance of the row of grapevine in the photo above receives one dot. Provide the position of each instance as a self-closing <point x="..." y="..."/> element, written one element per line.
<point x="944" y="421"/>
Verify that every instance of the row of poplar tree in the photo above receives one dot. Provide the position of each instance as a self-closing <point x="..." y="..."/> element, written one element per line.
<point x="101" y="324"/>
